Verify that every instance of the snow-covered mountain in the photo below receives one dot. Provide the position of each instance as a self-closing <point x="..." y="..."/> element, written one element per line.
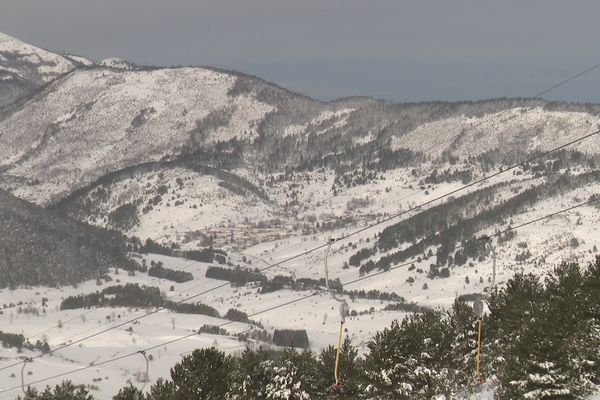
<point x="191" y="157"/>
<point x="24" y="68"/>
<point x="181" y="154"/>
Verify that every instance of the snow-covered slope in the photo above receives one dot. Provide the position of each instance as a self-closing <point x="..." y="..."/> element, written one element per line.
<point x="24" y="67"/>
<point x="520" y="129"/>
<point x="30" y="62"/>
<point x="102" y="120"/>
<point x="195" y="157"/>
<point x="38" y="317"/>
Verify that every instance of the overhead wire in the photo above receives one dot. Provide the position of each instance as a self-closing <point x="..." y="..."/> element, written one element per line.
<point x="491" y="118"/>
<point x="480" y="123"/>
<point x="109" y="322"/>
<point x="302" y="298"/>
<point x="356" y="232"/>
<point x="362" y="229"/>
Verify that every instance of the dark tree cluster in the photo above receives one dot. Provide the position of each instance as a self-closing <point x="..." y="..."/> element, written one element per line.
<point x="238" y="276"/>
<point x="374" y="294"/>
<point x="279" y="282"/>
<point x="456" y="222"/>
<point x="406" y="307"/>
<point x="291" y="338"/>
<point x="150" y="246"/>
<point x="161" y="272"/>
<point x="19" y="342"/>
<point x="236" y="315"/>
<point x="208" y="255"/>
<point x="213" y="330"/>
<point x="192" y="308"/>
<point x="41" y="247"/>
<point x="129" y="295"/>
<point x="124" y="217"/>
<point x="134" y="295"/>
<point x="448" y="175"/>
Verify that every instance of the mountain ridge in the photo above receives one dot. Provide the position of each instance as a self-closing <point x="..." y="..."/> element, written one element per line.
<point x="188" y="162"/>
<point x="128" y="149"/>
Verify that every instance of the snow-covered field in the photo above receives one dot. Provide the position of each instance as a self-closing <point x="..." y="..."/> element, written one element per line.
<point x="548" y="241"/>
<point x="318" y="315"/>
<point x="158" y="112"/>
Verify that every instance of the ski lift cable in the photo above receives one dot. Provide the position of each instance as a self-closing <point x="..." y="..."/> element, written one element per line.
<point x="250" y="328"/>
<point x="314" y="294"/>
<point x="109" y="322"/>
<point x="84" y="314"/>
<point x="538" y="95"/>
<point x="318" y="247"/>
<point x="58" y="325"/>
<point x="483" y="179"/>
<point x="114" y="359"/>
<point x="222" y="298"/>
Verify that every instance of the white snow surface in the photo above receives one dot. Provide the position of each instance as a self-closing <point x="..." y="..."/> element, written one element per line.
<point x="103" y="120"/>
<point x="317" y="315"/>
<point x="526" y="129"/>
<point x="48" y="65"/>
<point x="548" y="241"/>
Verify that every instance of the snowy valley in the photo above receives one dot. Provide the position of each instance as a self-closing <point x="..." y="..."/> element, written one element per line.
<point x="108" y="169"/>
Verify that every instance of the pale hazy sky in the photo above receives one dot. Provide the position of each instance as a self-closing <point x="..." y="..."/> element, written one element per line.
<point x="392" y="49"/>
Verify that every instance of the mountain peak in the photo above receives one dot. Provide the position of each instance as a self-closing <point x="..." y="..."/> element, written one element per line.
<point x="31" y="62"/>
<point x="24" y="67"/>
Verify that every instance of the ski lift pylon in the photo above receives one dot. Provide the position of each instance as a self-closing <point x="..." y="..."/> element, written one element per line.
<point x="146" y="377"/>
<point x="343" y="312"/>
<point x="27" y="360"/>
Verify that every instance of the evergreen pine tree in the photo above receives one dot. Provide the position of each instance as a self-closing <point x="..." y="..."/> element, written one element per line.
<point x="409" y="360"/>
<point x="129" y="393"/>
<point x="205" y="374"/>
<point x="540" y="354"/>
<point x="463" y="349"/>
<point x="162" y="390"/>
<point x="250" y="376"/>
<point x="65" y="391"/>
<point x="351" y="372"/>
<point x="294" y="377"/>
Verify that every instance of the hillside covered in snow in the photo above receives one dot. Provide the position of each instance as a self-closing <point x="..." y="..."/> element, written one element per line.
<point x="25" y="68"/>
<point x="196" y="199"/>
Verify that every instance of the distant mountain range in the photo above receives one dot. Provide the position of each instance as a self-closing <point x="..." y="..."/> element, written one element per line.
<point x="195" y="155"/>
